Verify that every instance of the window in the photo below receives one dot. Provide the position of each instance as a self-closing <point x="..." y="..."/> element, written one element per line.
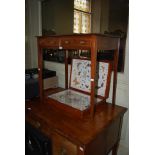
<point x="82" y="16"/>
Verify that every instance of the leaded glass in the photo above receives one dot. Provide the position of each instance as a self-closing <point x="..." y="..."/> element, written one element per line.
<point x="83" y="5"/>
<point x="82" y="16"/>
<point x="85" y="24"/>
<point x="77" y="21"/>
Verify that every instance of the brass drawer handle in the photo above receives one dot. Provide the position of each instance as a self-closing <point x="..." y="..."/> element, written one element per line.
<point x="37" y="124"/>
<point x="63" y="151"/>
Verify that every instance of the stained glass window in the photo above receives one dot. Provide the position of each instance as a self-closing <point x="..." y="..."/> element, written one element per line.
<point x="82" y="16"/>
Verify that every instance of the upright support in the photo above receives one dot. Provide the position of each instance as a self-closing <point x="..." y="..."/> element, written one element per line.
<point x="66" y="69"/>
<point x="115" y="65"/>
<point x="93" y="74"/>
<point x="40" y="71"/>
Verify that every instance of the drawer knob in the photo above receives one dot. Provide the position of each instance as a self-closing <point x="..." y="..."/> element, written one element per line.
<point x="82" y="42"/>
<point x="60" y="47"/>
<point x="66" y="42"/>
<point x="37" y="124"/>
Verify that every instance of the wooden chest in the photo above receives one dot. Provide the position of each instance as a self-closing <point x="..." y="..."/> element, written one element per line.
<point x="72" y="136"/>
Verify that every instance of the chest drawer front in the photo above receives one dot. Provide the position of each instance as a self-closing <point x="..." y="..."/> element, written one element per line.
<point x="71" y="43"/>
<point x="62" y="146"/>
<point x="49" y="42"/>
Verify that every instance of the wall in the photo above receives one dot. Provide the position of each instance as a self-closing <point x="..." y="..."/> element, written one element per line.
<point x="104" y="25"/>
<point x="33" y="29"/>
<point x="100" y="16"/>
<point x="57" y="15"/>
<point x="27" y="30"/>
<point x="118" y="15"/>
<point x="109" y="15"/>
<point x="96" y="16"/>
<point x="60" y="71"/>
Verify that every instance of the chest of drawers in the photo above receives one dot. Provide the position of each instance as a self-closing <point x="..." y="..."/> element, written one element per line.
<point x="78" y="137"/>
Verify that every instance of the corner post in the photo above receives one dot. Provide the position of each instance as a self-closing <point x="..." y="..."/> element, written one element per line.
<point x="93" y="74"/>
<point x="116" y="55"/>
<point x="66" y="69"/>
<point x="40" y="70"/>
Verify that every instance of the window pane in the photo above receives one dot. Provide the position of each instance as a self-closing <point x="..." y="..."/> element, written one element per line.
<point x="77" y="21"/>
<point x="83" y="5"/>
<point x="82" y="20"/>
<point x="85" y="25"/>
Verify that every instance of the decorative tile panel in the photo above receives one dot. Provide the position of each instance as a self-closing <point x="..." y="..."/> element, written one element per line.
<point x="81" y="75"/>
<point x="73" y="98"/>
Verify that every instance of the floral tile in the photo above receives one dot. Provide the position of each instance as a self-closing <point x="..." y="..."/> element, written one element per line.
<point x="73" y="98"/>
<point x="81" y="75"/>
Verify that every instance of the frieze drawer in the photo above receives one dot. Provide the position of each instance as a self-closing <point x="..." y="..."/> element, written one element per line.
<point x="69" y="43"/>
<point x="49" y="42"/>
